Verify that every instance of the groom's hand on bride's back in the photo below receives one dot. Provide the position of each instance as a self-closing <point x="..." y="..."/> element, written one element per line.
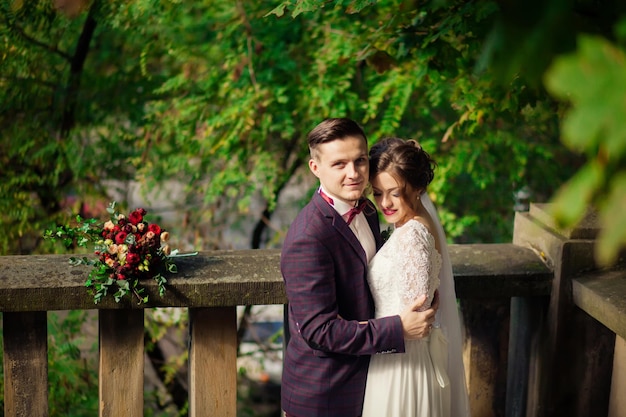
<point x="417" y="324"/>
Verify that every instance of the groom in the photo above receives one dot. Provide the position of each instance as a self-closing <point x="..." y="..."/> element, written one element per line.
<point x="324" y="265"/>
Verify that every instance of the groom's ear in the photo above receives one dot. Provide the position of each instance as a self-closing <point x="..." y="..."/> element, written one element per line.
<point x="314" y="167"/>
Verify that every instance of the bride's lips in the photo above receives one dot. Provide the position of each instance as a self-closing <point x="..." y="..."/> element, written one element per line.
<point x="388" y="212"/>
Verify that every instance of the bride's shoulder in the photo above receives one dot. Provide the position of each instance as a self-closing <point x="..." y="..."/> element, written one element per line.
<point x="412" y="229"/>
<point x="423" y="226"/>
<point x="419" y="223"/>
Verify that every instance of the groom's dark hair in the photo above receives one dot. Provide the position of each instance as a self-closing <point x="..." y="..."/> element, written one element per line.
<point x="333" y="129"/>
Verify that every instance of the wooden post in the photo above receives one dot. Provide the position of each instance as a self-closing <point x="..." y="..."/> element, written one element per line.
<point x="570" y="367"/>
<point x="617" y="403"/>
<point x="121" y="363"/>
<point x="486" y="324"/>
<point x="527" y="314"/>
<point x="213" y="362"/>
<point x="25" y="364"/>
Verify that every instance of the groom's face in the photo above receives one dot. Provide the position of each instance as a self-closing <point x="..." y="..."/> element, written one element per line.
<point x="342" y="167"/>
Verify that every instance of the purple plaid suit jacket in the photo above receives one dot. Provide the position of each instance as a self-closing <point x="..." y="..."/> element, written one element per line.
<point x="325" y="272"/>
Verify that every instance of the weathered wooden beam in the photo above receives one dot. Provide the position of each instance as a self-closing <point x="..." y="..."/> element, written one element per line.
<point x="210" y="279"/>
<point x="25" y="364"/>
<point x="601" y="294"/>
<point x="213" y="362"/>
<point x="570" y="363"/>
<point x="248" y="277"/>
<point x="121" y="366"/>
<point x="495" y="270"/>
<point x="617" y="402"/>
<point x="486" y="322"/>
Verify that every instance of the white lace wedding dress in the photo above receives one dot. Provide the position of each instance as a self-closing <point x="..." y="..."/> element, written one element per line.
<point x="404" y="385"/>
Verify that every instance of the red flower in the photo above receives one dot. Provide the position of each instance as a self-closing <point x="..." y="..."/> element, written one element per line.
<point x="133" y="258"/>
<point x="120" y="237"/>
<point x="155" y="228"/>
<point x="137" y="216"/>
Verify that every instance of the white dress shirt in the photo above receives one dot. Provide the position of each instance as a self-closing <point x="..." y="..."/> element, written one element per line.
<point x="359" y="225"/>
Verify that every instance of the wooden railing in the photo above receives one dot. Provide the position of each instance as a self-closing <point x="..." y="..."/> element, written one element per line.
<point x="506" y="291"/>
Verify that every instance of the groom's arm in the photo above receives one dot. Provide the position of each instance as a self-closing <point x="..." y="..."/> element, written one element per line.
<point x="308" y="270"/>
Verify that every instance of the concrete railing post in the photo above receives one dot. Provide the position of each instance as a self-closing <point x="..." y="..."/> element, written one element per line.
<point x="570" y="356"/>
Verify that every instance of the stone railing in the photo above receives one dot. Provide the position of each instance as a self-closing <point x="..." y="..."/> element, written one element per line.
<point x="506" y="292"/>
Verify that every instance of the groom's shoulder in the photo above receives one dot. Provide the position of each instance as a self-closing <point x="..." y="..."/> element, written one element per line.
<point x="313" y="219"/>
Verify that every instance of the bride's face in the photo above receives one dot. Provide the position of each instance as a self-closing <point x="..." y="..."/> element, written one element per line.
<point x="390" y="200"/>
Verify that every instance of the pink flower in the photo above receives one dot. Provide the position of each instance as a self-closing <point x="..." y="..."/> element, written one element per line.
<point x="109" y="225"/>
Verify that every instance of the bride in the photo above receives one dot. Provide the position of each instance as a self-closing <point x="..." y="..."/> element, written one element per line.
<point x="429" y="378"/>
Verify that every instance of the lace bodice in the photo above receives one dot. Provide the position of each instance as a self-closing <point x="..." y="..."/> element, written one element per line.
<point x="406" y="267"/>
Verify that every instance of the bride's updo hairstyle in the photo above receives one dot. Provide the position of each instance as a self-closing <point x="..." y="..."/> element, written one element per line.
<point x="405" y="160"/>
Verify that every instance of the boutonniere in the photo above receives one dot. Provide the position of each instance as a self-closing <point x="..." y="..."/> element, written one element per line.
<point x="385" y="234"/>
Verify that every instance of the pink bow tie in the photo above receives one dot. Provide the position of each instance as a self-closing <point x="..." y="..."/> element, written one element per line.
<point x="355" y="210"/>
<point x="351" y="213"/>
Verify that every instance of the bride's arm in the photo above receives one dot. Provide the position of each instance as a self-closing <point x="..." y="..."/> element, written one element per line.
<point x="413" y="265"/>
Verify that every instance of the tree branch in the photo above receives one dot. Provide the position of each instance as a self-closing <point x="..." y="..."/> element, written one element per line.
<point x="36" y="42"/>
<point x="249" y="40"/>
<point x="30" y="80"/>
<point x="76" y="69"/>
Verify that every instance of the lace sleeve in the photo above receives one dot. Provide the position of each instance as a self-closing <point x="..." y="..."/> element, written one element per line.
<point x="418" y="262"/>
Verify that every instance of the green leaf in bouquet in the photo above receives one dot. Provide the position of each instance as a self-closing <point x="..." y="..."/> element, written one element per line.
<point x="123" y="284"/>
<point x="111" y="208"/>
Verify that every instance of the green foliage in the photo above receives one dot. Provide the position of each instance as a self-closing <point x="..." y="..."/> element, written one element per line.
<point x="219" y="97"/>
<point x="169" y="325"/>
<point x="72" y="366"/>
<point x="473" y="72"/>
<point x="2" y="370"/>
<point x="593" y="80"/>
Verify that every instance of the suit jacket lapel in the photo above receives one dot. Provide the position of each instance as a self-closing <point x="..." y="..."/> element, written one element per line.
<point x="342" y="227"/>
<point x="372" y="219"/>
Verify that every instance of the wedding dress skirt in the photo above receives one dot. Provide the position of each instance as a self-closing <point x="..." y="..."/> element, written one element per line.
<point x="405" y="384"/>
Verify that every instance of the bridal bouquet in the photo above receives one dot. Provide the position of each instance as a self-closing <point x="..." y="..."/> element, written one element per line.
<point x="129" y="250"/>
